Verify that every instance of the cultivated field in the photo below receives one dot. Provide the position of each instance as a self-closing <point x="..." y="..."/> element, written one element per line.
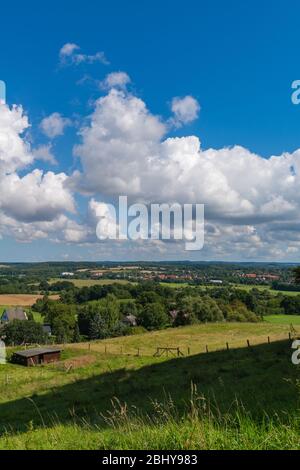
<point x="90" y="282"/>
<point x="23" y="300"/>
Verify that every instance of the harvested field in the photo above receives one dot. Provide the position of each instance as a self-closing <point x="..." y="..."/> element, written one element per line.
<point x="24" y="300"/>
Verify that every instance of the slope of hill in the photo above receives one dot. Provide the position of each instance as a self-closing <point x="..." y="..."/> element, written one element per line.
<point x="241" y="398"/>
<point x="194" y="338"/>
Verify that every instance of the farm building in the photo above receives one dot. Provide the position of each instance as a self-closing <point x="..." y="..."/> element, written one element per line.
<point x="67" y="274"/>
<point x="32" y="357"/>
<point x="11" y="314"/>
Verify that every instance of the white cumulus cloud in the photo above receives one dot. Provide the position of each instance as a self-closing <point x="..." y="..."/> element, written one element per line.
<point x="45" y="154"/>
<point x="185" y="110"/>
<point x="35" y="199"/>
<point x="125" y="150"/>
<point x="115" y="80"/>
<point x="54" y="125"/>
<point x="70" y="54"/>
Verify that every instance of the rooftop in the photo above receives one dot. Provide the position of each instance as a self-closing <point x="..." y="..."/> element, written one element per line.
<point x="15" y="313"/>
<point x="37" y="351"/>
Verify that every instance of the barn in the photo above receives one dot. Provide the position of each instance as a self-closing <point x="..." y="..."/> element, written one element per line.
<point x="32" y="357"/>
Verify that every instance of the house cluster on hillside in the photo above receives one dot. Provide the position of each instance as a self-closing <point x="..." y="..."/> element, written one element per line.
<point x="261" y="277"/>
<point x="18" y="313"/>
<point x="13" y="313"/>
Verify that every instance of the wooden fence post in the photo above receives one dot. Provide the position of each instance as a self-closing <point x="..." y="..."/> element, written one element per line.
<point x="248" y="343"/>
<point x="227" y="346"/>
<point x="269" y="339"/>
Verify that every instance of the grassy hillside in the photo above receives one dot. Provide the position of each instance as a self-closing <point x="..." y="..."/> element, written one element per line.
<point x="194" y="337"/>
<point x="283" y="319"/>
<point x="242" y="398"/>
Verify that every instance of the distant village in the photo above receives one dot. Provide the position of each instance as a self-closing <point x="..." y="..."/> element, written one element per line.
<point x="173" y="275"/>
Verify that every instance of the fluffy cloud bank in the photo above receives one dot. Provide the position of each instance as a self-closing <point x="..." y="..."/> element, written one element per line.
<point x="35" y="197"/>
<point x="252" y="204"/>
<point x="14" y="151"/>
<point x="125" y="150"/>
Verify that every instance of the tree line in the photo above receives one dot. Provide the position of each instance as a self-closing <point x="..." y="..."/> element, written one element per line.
<point x="99" y="312"/>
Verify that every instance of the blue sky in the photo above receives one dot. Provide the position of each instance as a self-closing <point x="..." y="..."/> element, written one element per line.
<point x="238" y="61"/>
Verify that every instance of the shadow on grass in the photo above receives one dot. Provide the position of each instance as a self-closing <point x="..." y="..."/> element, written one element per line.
<point x="261" y="377"/>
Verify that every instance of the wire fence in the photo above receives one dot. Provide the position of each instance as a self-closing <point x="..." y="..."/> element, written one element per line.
<point x="158" y="351"/>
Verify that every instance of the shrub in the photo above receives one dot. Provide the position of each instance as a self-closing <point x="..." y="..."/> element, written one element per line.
<point x="153" y="317"/>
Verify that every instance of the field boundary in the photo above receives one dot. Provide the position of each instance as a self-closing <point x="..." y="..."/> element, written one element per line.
<point x="175" y="351"/>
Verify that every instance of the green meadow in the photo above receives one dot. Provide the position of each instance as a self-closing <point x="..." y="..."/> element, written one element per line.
<point x="241" y="398"/>
<point x="283" y="319"/>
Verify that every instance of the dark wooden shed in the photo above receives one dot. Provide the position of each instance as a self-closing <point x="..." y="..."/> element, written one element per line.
<point x="32" y="357"/>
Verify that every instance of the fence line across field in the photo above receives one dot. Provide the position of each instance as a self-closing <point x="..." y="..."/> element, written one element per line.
<point x="161" y="351"/>
<point x="175" y="350"/>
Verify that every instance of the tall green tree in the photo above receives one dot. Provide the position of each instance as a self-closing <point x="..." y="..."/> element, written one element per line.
<point x="296" y="273"/>
<point x="19" y="332"/>
<point x="153" y="317"/>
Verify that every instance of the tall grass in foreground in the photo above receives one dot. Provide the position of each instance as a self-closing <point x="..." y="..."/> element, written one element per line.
<point x="202" y="426"/>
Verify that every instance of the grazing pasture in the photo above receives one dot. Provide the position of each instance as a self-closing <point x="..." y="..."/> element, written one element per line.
<point x="192" y="339"/>
<point x="283" y="319"/>
<point x="244" y="398"/>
